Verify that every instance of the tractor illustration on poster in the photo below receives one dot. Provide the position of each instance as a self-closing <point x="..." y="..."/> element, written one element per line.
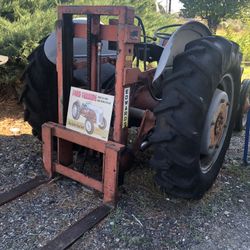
<point x="92" y="114"/>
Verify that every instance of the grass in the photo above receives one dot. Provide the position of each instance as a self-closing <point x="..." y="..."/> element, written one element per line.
<point x="240" y="172"/>
<point x="246" y="72"/>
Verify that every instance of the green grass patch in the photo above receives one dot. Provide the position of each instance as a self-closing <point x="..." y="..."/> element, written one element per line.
<point x="246" y="72"/>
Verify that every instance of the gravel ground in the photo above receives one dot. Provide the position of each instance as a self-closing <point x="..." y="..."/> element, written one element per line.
<point x="144" y="219"/>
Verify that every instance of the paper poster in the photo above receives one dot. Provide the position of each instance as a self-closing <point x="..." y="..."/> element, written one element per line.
<point x="90" y="112"/>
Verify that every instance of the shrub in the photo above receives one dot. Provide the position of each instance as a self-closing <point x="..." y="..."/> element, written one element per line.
<point x="24" y="22"/>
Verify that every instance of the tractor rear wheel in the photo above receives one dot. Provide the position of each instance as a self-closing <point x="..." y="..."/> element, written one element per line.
<point x="244" y="104"/>
<point x="195" y="119"/>
<point x="76" y="110"/>
<point x="40" y="90"/>
<point x="103" y="125"/>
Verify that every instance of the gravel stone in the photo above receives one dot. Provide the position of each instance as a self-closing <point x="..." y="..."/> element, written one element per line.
<point x="145" y="218"/>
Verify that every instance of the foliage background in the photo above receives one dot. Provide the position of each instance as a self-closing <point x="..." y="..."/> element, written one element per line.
<point x="23" y="23"/>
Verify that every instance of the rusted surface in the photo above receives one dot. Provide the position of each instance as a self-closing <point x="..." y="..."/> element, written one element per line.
<point x="75" y="231"/>
<point x="98" y="10"/>
<point x="60" y="131"/>
<point x="111" y="169"/>
<point x="21" y="189"/>
<point x="77" y="176"/>
<point x="217" y="128"/>
<point x="126" y="34"/>
<point x="147" y="123"/>
<point x="47" y="139"/>
<point x="59" y="66"/>
<point x="82" y="63"/>
<point x="124" y="60"/>
<point x="111" y="159"/>
<point x="142" y="99"/>
<point x="107" y="32"/>
<point x="134" y="75"/>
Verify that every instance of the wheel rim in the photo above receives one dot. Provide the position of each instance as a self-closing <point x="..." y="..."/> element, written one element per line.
<point x="74" y="110"/>
<point x="88" y="126"/>
<point x="216" y="125"/>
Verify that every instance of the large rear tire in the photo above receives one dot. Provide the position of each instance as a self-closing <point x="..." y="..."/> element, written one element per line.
<point x="208" y="67"/>
<point x="244" y="103"/>
<point x="40" y="90"/>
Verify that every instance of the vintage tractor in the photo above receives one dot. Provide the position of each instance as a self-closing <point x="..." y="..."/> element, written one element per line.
<point x="92" y="114"/>
<point x="180" y="88"/>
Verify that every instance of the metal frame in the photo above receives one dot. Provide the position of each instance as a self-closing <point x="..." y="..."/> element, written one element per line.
<point x="126" y="35"/>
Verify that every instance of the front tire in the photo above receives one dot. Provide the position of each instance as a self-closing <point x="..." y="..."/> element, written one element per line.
<point x="103" y="125"/>
<point x="207" y="65"/>
<point x="76" y="110"/>
<point x="89" y="126"/>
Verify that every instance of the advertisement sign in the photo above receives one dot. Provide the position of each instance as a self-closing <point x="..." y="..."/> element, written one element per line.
<point x="90" y="112"/>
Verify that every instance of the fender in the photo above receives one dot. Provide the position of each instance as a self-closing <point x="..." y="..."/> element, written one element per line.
<point x="176" y="44"/>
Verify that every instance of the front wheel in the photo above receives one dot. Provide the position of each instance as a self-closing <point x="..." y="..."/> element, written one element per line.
<point x="195" y="119"/>
<point x="103" y="125"/>
<point x="76" y="110"/>
<point x="89" y="126"/>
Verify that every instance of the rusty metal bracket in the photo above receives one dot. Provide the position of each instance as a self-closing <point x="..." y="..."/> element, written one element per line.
<point x="111" y="151"/>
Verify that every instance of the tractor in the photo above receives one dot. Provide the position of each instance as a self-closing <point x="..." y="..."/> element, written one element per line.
<point x="92" y="114"/>
<point x="180" y="88"/>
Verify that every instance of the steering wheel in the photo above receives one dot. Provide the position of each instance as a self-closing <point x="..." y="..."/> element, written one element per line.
<point x="164" y="35"/>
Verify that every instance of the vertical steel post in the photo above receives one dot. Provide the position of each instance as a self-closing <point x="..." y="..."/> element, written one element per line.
<point x="123" y="60"/>
<point x="47" y="148"/>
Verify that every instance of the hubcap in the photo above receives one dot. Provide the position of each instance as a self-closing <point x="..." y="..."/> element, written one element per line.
<point x="216" y="124"/>
<point x="74" y="111"/>
<point x="88" y="126"/>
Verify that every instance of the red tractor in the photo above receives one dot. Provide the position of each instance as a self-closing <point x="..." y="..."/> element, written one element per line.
<point x="93" y="115"/>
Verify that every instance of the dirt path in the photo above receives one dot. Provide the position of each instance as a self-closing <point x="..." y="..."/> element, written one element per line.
<point x="144" y="218"/>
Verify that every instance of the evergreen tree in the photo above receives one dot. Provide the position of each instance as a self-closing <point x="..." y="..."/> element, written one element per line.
<point x="213" y="11"/>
